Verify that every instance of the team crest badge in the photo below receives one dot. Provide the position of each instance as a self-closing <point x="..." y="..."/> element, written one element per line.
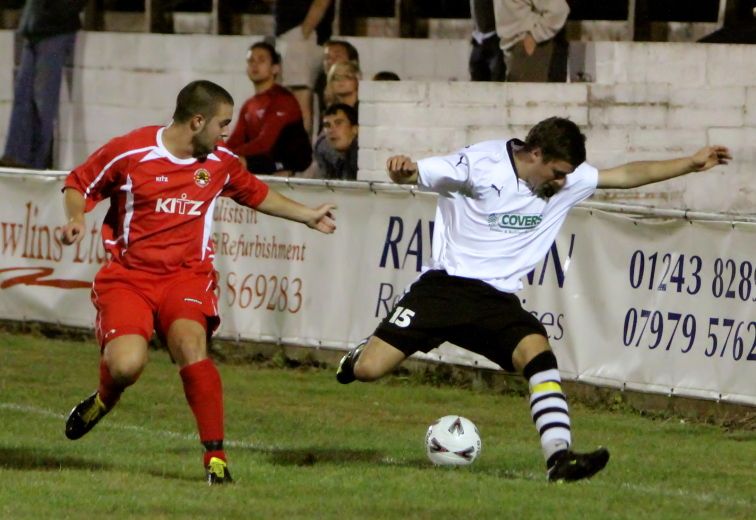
<point x="202" y="177"/>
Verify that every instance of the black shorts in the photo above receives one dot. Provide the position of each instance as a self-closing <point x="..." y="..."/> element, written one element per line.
<point x="464" y="311"/>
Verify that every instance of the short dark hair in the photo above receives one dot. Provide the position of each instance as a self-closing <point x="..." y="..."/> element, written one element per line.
<point x="200" y="97"/>
<point x="386" y="75"/>
<point x="348" y="47"/>
<point x="349" y="111"/>
<point x="275" y="58"/>
<point x="559" y="140"/>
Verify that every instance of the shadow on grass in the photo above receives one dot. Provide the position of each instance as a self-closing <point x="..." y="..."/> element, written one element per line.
<point x="25" y="459"/>
<point x="424" y="464"/>
<point x="199" y="476"/>
<point x="312" y="456"/>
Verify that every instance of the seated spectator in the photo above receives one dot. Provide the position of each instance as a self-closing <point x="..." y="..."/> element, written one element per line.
<point x="336" y="148"/>
<point x="270" y="136"/>
<point x="334" y="51"/>
<point x="386" y="75"/>
<point x="343" y="84"/>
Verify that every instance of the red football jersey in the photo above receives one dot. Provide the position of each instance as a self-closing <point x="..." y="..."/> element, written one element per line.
<point x="161" y="207"/>
<point x="262" y="119"/>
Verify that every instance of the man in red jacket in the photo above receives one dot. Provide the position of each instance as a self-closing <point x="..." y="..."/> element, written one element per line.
<point x="270" y="134"/>
<point x="162" y="184"/>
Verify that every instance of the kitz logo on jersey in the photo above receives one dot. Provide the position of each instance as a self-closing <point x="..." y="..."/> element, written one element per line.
<point x="513" y="222"/>
<point x="180" y="206"/>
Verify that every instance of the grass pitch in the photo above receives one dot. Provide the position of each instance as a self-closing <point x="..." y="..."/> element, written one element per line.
<point x="302" y="446"/>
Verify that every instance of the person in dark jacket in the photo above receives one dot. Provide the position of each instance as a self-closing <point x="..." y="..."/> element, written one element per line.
<point x="48" y="32"/>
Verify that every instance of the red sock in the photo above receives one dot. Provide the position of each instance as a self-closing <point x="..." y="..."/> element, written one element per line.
<point x="204" y="393"/>
<point x="110" y="391"/>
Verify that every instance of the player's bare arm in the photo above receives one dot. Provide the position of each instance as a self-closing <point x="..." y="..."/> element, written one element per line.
<point x="321" y="218"/>
<point x="402" y="169"/>
<point x="73" y="230"/>
<point x="640" y="173"/>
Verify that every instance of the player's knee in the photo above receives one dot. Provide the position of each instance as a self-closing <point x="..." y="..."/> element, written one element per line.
<point x="188" y="348"/>
<point x="127" y="369"/>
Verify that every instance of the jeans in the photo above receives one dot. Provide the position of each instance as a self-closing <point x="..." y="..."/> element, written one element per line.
<point x="487" y="61"/>
<point x="36" y="98"/>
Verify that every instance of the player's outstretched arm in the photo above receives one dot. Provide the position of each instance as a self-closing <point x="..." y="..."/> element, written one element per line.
<point x="640" y="173"/>
<point x="402" y="169"/>
<point x="73" y="230"/>
<point x="320" y="218"/>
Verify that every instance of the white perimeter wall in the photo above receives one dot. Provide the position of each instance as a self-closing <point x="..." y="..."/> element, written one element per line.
<point x="648" y="100"/>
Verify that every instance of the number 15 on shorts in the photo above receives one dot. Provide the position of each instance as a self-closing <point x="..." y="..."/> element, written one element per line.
<point x="402" y="317"/>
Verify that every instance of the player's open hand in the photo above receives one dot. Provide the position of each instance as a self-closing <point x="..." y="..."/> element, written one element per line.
<point x="401" y="169"/>
<point x="324" y="219"/>
<point x="710" y="156"/>
<point x="73" y="231"/>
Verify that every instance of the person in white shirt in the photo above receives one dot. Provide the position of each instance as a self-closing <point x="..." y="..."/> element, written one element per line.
<point x="500" y="206"/>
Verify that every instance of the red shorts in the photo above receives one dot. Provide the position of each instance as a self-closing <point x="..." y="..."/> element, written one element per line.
<point x="136" y="302"/>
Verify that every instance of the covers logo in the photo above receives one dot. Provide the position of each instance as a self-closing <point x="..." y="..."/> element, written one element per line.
<point x="513" y="222"/>
<point x="202" y="177"/>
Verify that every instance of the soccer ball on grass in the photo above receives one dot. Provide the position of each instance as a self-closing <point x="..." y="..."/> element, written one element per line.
<point x="452" y="441"/>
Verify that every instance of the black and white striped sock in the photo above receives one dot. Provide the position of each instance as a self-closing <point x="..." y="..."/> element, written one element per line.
<point x="548" y="404"/>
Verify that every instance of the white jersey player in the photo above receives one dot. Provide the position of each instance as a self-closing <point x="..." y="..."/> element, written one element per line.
<point x="500" y="206"/>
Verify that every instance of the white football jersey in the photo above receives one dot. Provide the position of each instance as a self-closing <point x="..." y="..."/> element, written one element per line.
<point x="489" y="225"/>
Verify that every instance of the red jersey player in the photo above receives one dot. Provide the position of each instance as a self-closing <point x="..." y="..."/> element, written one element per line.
<point x="162" y="183"/>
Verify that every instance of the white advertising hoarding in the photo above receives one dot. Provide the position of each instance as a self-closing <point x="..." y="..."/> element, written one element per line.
<point x="659" y="306"/>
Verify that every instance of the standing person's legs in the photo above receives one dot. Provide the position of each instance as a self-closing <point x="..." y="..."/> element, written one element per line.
<point x="300" y="64"/>
<point x="530" y="68"/>
<point x="18" y="144"/>
<point x="53" y="54"/>
<point x="487" y="61"/>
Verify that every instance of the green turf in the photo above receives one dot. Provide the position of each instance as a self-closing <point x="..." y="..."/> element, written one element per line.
<point x="302" y="446"/>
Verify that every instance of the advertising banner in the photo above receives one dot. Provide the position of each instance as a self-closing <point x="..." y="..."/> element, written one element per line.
<point x="664" y="306"/>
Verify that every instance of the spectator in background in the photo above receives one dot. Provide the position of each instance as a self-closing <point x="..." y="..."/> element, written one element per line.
<point x="270" y="136"/>
<point x="343" y="84"/>
<point x="304" y="25"/>
<point x="334" y="51"/>
<point x="336" y="147"/>
<point x="386" y="75"/>
<point x="486" y="59"/>
<point x="532" y="32"/>
<point x="48" y="31"/>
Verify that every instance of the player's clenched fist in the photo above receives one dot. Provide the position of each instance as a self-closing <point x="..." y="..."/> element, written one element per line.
<point x="73" y="232"/>
<point x="402" y="169"/>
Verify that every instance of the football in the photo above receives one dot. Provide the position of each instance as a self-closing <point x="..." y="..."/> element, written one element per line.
<point x="452" y="441"/>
